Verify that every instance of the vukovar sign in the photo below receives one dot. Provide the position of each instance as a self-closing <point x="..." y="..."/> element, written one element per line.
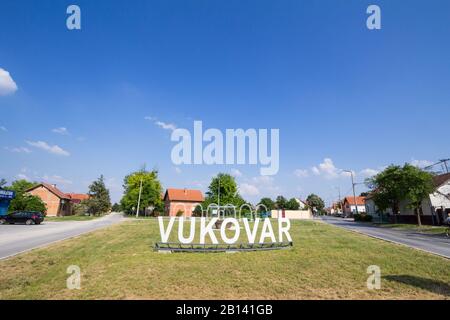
<point x="206" y="230"/>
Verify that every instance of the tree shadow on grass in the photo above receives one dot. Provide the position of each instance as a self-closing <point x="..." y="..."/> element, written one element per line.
<point x="435" y="286"/>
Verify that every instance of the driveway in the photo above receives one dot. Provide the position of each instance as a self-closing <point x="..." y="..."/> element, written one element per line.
<point x="436" y="244"/>
<point x="15" y="239"/>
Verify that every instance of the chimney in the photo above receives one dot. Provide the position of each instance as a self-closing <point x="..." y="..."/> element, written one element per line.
<point x="185" y="192"/>
<point x="54" y="185"/>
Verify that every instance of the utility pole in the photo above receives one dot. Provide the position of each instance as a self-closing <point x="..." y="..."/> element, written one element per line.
<point x="339" y="199"/>
<point x="218" y="198"/>
<point x="353" y="187"/>
<point x="139" y="199"/>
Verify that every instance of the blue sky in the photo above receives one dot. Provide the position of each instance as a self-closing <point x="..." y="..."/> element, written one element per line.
<point x="343" y="96"/>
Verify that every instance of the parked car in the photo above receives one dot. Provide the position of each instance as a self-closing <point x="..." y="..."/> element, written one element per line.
<point x="27" y="217"/>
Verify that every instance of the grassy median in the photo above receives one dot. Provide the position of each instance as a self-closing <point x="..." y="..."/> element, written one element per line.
<point x="325" y="263"/>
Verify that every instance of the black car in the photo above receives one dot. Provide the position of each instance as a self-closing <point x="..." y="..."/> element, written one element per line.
<point x="27" y="217"/>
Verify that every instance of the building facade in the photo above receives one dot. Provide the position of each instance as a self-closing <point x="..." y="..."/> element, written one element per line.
<point x="181" y="202"/>
<point x="57" y="202"/>
<point x="350" y="207"/>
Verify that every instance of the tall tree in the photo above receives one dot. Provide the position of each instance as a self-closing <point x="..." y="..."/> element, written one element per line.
<point x="116" y="207"/>
<point x="388" y="189"/>
<point x="223" y="190"/>
<point x="266" y="203"/>
<point x="292" y="204"/>
<point x="99" y="201"/>
<point x="281" y="202"/>
<point x="150" y="195"/>
<point x="24" y="201"/>
<point x="315" y="202"/>
<point x="419" y="185"/>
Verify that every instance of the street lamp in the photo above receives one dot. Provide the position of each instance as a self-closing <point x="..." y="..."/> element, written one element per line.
<point x="353" y="187"/>
<point x="139" y="199"/>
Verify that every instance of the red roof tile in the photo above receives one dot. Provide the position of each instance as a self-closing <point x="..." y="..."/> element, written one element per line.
<point x="52" y="189"/>
<point x="78" y="196"/>
<point x="184" y="195"/>
<point x="360" y="201"/>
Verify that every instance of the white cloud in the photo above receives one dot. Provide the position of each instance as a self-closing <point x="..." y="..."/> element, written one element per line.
<point x="301" y="173"/>
<point x="23" y="176"/>
<point x="161" y="124"/>
<point x="7" y="84"/>
<point x="236" y="173"/>
<point x="18" y="149"/>
<point x="51" y="149"/>
<point x="55" y="179"/>
<point x="368" y="172"/>
<point x="327" y="169"/>
<point x="2" y="128"/>
<point x="265" y="180"/>
<point x="61" y="130"/>
<point x="247" y="189"/>
<point x="421" y="163"/>
<point x="166" y="126"/>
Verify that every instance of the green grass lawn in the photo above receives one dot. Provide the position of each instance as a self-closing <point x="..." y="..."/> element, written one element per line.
<point x="414" y="227"/>
<point x="325" y="263"/>
<point x="72" y="218"/>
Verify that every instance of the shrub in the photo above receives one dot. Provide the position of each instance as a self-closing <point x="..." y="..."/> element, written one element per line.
<point x="362" y="217"/>
<point x="180" y="213"/>
<point x="79" y="209"/>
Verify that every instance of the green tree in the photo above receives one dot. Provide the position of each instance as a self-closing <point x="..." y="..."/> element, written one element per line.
<point x="99" y="201"/>
<point x="24" y="201"/>
<point x="281" y="202"/>
<point x="116" y="207"/>
<point x="79" y="209"/>
<point x="150" y="195"/>
<point x="315" y="202"/>
<point x="388" y="189"/>
<point x="223" y="190"/>
<point x="292" y="204"/>
<point x="268" y="203"/>
<point x="419" y="185"/>
<point x="396" y="183"/>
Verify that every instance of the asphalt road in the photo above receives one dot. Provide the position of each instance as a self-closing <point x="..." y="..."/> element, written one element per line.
<point x="436" y="244"/>
<point x="15" y="239"/>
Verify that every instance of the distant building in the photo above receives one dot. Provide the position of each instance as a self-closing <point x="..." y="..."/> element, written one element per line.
<point x="301" y="204"/>
<point x="181" y="201"/>
<point x="57" y="202"/>
<point x="349" y="205"/>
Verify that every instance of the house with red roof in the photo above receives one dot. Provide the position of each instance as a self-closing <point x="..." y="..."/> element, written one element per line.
<point x="350" y="204"/>
<point x="181" y="202"/>
<point x="57" y="202"/>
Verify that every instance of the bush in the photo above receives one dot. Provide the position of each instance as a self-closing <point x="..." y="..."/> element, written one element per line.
<point x="79" y="209"/>
<point x="362" y="217"/>
<point x="180" y="213"/>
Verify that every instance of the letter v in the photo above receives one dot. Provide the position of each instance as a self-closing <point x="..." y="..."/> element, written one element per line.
<point x="165" y="233"/>
<point x="251" y="236"/>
